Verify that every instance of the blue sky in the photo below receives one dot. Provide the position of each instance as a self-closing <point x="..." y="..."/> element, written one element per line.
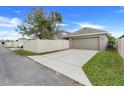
<point x="106" y="18"/>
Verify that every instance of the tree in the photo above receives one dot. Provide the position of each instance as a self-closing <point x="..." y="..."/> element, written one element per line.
<point x="40" y="24"/>
<point x="111" y="41"/>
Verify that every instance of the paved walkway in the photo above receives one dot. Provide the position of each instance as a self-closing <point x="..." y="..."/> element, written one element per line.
<point x="68" y="63"/>
<point x="14" y="48"/>
<point x="17" y="70"/>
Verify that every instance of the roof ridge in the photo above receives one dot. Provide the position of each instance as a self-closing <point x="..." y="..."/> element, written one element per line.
<point x="87" y="30"/>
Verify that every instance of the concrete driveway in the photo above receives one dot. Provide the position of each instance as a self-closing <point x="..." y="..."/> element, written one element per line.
<point x="68" y="63"/>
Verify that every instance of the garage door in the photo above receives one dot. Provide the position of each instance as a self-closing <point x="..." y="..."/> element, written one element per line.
<point x="86" y="43"/>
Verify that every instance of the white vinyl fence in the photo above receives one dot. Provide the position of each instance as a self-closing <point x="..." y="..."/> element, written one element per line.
<point x="9" y="44"/>
<point x="14" y="44"/>
<point x="40" y="46"/>
<point x="120" y="46"/>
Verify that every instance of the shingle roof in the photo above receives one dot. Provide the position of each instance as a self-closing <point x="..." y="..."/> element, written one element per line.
<point x="22" y="38"/>
<point x="87" y="30"/>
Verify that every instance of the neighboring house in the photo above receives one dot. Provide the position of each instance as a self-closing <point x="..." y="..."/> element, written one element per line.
<point x="61" y="34"/>
<point x="22" y="38"/>
<point x="88" y="38"/>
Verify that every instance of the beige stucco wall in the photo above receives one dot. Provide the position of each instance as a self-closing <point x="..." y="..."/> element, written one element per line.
<point x="120" y="46"/>
<point x="70" y="42"/>
<point x="40" y="46"/>
<point x="102" y="44"/>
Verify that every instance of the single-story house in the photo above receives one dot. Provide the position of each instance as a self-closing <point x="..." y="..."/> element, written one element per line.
<point x="88" y="38"/>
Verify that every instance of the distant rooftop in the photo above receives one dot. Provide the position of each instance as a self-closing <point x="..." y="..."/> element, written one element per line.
<point x="122" y="36"/>
<point x="22" y="38"/>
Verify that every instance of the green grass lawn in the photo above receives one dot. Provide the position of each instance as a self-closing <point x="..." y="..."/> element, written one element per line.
<point x="106" y="68"/>
<point x="8" y="47"/>
<point x="22" y="52"/>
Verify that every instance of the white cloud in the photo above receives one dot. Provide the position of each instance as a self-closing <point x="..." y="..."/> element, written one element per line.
<point x="6" y="25"/>
<point x="117" y="34"/>
<point x="116" y="30"/>
<point x="11" y="35"/>
<point x="9" y="22"/>
<point x="73" y="30"/>
<point x="19" y="11"/>
<point x="87" y="24"/>
<point x="64" y="24"/>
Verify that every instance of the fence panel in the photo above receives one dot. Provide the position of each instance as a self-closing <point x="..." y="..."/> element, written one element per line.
<point x="120" y="46"/>
<point x="40" y="46"/>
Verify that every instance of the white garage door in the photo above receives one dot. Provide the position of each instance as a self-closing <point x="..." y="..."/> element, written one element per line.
<point x="86" y="43"/>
